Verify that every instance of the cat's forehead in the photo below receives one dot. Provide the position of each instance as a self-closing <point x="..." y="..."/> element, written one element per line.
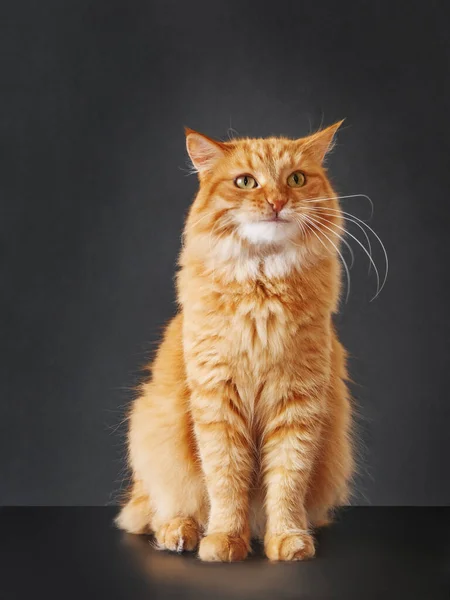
<point x="273" y="154"/>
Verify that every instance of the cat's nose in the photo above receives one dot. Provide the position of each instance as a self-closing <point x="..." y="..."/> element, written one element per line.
<point x="277" y="205"/>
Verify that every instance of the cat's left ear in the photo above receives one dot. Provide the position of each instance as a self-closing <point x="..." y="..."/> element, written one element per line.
<point x="203" y="151"/>
<point x="322" y="142"/>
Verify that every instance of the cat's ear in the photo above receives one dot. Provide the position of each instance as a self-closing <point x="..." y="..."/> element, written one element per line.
<point x="322" y="142"/>
<point x="203" y="151"/>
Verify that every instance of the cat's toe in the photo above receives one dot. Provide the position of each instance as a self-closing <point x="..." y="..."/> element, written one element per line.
<point x="289" y="546"/>
<point x="220" y="547"/>
<point x="178" y="535"/>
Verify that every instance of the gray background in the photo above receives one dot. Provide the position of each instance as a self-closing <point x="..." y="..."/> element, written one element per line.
<point x="93" y="194"/>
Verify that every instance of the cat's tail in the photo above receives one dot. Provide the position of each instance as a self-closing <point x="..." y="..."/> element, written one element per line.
<point x="136" y="515"/>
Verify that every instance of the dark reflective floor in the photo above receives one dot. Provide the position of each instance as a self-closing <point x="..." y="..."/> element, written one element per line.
<point x="369" y="553"/>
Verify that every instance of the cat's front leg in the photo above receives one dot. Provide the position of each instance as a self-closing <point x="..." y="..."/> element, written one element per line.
<point x="289" y="447"/>
<point x="224" y="444"/>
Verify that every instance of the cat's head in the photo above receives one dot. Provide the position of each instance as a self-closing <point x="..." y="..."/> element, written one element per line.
<point x="264" y="195"/>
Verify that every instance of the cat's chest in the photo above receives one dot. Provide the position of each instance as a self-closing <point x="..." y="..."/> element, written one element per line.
<point x="259" y="331"/>
<point x="260" y="340"/>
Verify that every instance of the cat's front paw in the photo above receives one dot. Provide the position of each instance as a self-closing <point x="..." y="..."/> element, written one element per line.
<point x="221" y="547"/>
<point x="289" y="546"/>
<point x="178" y="535"/>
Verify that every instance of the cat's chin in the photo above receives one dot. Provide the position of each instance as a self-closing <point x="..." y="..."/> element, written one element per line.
<point x="268" y="232"/>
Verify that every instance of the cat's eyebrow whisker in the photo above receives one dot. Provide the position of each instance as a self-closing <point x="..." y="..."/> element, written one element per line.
<point x="354" y="218"/>
<point x="357" y="241"/>
<point x="347" y="218"/>
<point x="343" y="198"/>
<point x="310" y="224"/>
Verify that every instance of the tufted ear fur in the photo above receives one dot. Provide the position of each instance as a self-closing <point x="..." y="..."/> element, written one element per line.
<point x="322" y="142"/>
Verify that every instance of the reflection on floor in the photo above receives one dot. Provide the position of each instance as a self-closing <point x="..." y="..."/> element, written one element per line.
<point x="367" y="553"/>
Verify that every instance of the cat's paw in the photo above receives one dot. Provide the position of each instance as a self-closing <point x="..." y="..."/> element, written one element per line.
<point x="178" y="535"/>
<point x="220" y="547"/>
<point x="289" y="546"/>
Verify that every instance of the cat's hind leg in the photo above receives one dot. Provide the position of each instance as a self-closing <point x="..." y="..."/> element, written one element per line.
<point x="136" y="515"/>
<point x="177" y="534"/>
<point x="171" y="500"/>
<point x="169" y="496"/>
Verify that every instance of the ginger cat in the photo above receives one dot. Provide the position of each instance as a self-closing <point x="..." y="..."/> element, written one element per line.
<point x="244" y="429"/>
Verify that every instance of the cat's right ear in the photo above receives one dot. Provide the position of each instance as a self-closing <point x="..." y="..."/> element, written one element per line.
<point x="203" y="151"/>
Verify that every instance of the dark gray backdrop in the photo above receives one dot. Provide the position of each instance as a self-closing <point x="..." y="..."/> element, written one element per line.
<point x="94" y="98"/>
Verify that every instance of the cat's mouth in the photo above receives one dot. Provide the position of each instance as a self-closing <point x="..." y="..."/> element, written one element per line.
<point x="274" y="219"/>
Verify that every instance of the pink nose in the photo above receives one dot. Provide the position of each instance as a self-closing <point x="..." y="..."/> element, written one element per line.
<point x="277" y="205"/>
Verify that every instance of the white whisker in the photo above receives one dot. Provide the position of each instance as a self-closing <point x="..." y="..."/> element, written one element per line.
<point x="189" y="169"/>
<point x="358" y="242"/>
<point x="309" y="223"/>
<point x="302" y="227"/>
<point x="378" y="239"/>
<point x="347" y="218"/>
<point x="350" y="249"/>
<point x="343" y="198"/>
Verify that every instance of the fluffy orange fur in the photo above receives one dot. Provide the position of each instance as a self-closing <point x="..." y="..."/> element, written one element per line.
<point x="244" y="429"/>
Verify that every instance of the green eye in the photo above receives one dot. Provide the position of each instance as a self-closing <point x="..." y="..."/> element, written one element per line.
<point x="245" y="182"/>
<point x="296" y="179"/>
